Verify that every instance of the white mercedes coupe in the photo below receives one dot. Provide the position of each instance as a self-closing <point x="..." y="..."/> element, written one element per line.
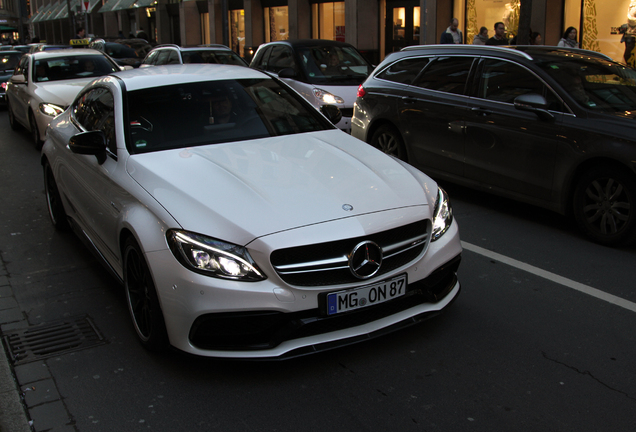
<point x="240" y="221"/>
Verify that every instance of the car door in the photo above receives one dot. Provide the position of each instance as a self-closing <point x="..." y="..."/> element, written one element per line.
<point x="96" y="198"/>
<point x="432" y="116"/>
<point x="20" y="92"/>
<point x="508" y="149"/>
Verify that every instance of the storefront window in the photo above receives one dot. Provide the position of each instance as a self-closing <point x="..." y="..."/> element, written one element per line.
<point x="276" y="23"/>
<point x="416" y="25"/>
<point x="398" y="23"/>
<point x="237" y="31"/>
<point x="485" y="13"/>
<point x="328" y="21"/>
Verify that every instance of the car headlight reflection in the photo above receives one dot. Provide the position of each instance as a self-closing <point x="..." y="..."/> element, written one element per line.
<point x="326" y="97"/>
<point x="51" y="109"/>
<point x="213" y="257"/>
<point x="443" y="215"/>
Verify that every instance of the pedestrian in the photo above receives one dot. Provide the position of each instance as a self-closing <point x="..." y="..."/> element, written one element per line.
<point x="535" y="39"/>
<point x="482" y="37"/>
<point x="81" y="32"/>
<point x="452" y="35"/>
<point x="500" y="35"/>
<point x="569" y="39"/>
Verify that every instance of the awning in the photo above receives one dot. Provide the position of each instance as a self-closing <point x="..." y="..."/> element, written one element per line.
<point x="43" y="14"/>
<point x="123" y="4"/>
<point x="34" y="17"/>
<point x="109" y="5"/>
<point x="5" y="28"/>
<point x="55" y="12"/>
<point x="63" y="11"/>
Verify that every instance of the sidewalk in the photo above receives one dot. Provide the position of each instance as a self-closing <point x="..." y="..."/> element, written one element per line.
<point x="13" y="417"/>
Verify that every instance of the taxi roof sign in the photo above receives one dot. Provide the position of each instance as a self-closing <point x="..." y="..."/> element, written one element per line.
<point x="80" y="42"/>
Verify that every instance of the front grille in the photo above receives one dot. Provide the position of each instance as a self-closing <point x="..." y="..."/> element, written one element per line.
<point x="268" y="329"/>
<point x="328" y="263"/>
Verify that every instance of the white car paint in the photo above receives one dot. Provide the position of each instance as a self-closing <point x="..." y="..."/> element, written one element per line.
<point x="264" y="194"/>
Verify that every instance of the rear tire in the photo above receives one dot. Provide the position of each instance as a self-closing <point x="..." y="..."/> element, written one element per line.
<point x="54" y="201"/>
<point x="388" y="140"/>
<point x="605" y="205"/>
<point x="142" y="299"/>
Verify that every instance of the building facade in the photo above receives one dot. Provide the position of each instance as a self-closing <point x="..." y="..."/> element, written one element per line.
<point x="376" y="27"/>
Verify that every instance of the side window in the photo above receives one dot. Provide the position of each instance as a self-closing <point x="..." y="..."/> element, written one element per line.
<point x="95" y="111"/>
<point x="162" y="57"/>
<point x="503" y="81"/>
<point x="447" y="74"/>
<point x="152" y="58"/>
<point x="261" y="59"/>
<point x="404" y="71"/>
<point x="23" y="67"/>
<point x="281" y="58"/>
<point x="173" y="58"/>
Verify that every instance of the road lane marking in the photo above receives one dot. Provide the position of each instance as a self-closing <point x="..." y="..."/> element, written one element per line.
<point x="601" y="295"/>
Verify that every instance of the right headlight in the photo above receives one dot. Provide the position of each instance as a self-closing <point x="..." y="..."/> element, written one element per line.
<point x="442" y="216"/>
<point x="213" y="257"/>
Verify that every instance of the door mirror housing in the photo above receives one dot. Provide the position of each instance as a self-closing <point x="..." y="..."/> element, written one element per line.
<point x="18" y="79"/>
<point x="332" y="112"/>
<point x="89" y="143"/>
<point x="287" y="73"/>
<point x="535" y="103"/>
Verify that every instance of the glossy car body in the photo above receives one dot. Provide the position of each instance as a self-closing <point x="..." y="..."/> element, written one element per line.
<point x="125" y="52"/>
<point x="230" y="236"/>
<point x="174" y="54"/>
<point x="511" y="121"/>
<point x="305" y="66"/>
<point x="8" y="62"/>
<point x="45" y="83"/>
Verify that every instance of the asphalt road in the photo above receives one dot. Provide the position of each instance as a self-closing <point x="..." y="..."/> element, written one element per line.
<point x="541" y="338"/>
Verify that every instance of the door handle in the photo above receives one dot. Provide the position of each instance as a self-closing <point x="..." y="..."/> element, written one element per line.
<point x="481" y="111"/>
<point x="409" y="99"/>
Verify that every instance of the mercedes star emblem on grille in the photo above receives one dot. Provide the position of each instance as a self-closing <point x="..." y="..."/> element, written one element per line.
<point x="365" y="259"/>
<point x="347" y="207"/>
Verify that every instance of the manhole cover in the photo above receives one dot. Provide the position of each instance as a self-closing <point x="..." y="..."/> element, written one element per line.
<point x="51" y="339"/>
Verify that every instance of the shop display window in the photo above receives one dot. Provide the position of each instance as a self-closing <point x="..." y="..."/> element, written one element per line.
<point x="237" y="31"/>
<point x="276" y="23"/>
<point x="328" y="21"/>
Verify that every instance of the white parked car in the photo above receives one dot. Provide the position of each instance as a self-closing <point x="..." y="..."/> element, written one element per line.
<point x="241" y="222"/>
<point x="45" y="83"/>
<point x="325" y="72"/>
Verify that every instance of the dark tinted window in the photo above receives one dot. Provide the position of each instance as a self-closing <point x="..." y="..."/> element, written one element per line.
<point x="95" y="111"/>
<point x="404" y="71"/>
<point x="212" y="56"/>
<point x="447" y="74"/>
<point x="8" y="61"/>
<point x="162" y="58"/>
<point x="72" y="67"/>
<point x="503" y="81"/>
<point x="281" y="58"/>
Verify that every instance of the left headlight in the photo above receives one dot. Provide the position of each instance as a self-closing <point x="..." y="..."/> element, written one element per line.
<point x="212" y="257"/>
<point x="326" y="97"/>
<point x="51" y="109"/>
<point x="443" y="215"/>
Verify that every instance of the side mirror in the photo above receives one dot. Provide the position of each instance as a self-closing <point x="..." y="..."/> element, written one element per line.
<point x="535" y="103"/>
<point x="89" y="143"/>
<point x="18" y="79"/>
<point x="332" y="112"/>
<point x="287" y="73"/>
<point x="127" y="67"/>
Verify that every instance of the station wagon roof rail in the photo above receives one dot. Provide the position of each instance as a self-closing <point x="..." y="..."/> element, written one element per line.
<point x="466" y="47"/>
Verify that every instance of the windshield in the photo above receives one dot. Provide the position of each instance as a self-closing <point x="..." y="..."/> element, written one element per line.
<point x="72" y="67"/>
<point x="8" y="61"/>
<point x="596" y="84"/>
<point x="193" y="114"/>
<point x="334" y="65"/>
<point x="212" y="56"/>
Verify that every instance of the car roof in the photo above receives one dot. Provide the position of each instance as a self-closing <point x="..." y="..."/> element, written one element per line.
<point x="64" y="53"/>
<point x="159" y="76"/>
<point x="309" y="42"/>
<point x="194" y="48"/>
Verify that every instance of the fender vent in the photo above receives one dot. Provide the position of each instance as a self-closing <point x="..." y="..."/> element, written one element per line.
<point x="51" y="339"/>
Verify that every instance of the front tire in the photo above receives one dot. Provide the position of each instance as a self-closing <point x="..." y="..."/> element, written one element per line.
<point x="605" y="205"/>
<point x="54" y="200"/>
<point x="388" y="140"/>
<point x="142" y="299"/>
<point x="35" y="132"/>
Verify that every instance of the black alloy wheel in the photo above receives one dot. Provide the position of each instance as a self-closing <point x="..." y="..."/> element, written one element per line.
<point x="12" y="121"/>
<point x="54" y="200"/>
<point x="35" y="132"/>
<point x="605" y="205"/>
<point x="143" y="303"/>
<point x="388" y="140"/>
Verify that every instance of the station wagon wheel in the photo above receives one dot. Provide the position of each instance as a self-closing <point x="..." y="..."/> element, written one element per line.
<point x="12" y="121"/>
<point x="54" y="200"/>
<point x="143" y="303"/>
<point x="388" y="140"/>
<point x="605" y="205"/>
<point x="35" y="132"/>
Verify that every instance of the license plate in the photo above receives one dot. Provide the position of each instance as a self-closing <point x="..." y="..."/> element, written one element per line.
<point x="344" y="301"/>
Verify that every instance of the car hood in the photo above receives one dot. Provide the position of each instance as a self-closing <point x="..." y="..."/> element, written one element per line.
<point x="60" y="92"/>
<point x="250" y="189"/>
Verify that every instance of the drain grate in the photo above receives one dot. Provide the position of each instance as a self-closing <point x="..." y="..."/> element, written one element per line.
<point x="51" y="339"/>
